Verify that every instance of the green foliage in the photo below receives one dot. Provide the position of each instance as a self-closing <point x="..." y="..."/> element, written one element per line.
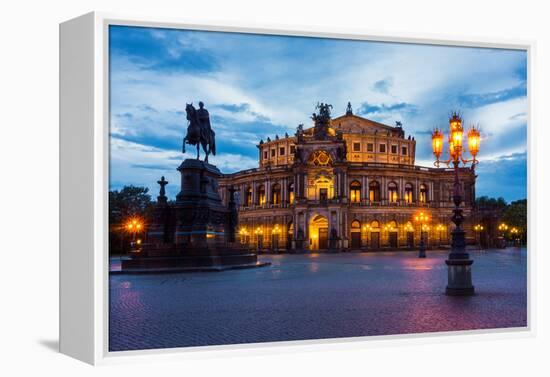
<point x="484" y="202"/>
<point x="515" y="215"/>
<point x="125" y="204"/>
<point x="129" y="202"/>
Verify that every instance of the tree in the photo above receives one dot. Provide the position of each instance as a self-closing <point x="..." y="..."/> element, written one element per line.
<point x="486" y="203"/>
<point x="129" y="202"/>
<point x="515" y="215"/>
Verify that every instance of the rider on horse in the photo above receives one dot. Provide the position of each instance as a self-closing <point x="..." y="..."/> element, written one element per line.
<point x="199" y="131"/>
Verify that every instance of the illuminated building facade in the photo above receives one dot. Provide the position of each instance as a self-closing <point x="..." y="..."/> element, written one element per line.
<point x="347" y="183"/>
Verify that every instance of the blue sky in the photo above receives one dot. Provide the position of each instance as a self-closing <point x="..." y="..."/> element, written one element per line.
<point x="256" y="86"/>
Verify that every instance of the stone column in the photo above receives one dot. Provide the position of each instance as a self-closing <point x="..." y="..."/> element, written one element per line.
<point x="254" y="193"/>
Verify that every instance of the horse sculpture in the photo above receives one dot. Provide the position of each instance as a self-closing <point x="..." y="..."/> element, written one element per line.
<point x="199" y="131"/>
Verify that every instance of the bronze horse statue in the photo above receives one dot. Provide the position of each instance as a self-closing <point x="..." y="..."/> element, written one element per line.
<point x="199" y="131"/>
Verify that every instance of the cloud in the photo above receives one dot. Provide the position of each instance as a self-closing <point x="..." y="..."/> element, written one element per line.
<point x="256" y="86"/>
<point x="383" y="86"/>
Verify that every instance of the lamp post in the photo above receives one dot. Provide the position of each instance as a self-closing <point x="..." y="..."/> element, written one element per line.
<point x="514" y="235"/>
<point x="275" y="233"/>
<point x="366" y="230"/>
<point x="134" y="226"/>
<point x="478" y="229"/>
<point x="503" y="228"/>
<point x="259" y="238"/>
<point x="422" y="218"/>
<point x="459" y="262"/>
<point x="439" y="229"/>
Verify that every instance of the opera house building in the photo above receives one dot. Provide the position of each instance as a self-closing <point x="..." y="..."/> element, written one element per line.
<point x="346" y="183"/>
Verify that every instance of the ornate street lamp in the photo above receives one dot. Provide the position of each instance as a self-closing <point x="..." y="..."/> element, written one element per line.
<point x="134" y="226"/>
<point x="458" y="262"/>
<point x="422" y="218"/>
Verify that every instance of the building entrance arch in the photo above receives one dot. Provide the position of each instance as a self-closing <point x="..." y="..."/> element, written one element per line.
<point x="318" y="233"/>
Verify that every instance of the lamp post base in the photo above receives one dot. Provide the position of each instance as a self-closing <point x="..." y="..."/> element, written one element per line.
<point x="422" y="253"/>
<point x="459" y="277"/>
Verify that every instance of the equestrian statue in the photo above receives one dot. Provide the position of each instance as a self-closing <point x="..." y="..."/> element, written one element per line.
<point x="199" y="131"/>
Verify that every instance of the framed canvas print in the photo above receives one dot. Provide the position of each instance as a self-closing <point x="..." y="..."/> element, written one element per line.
<point x="223" y="185"/>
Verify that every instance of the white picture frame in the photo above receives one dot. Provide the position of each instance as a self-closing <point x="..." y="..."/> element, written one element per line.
<point x="84" y="164"/>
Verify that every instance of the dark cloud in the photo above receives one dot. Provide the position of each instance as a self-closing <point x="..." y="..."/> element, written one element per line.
<point x="477" y="100"/>
<point x="383" y="109"/>
<point x="506" y="177"/>
<point x="244" y="108"/>
<point x="140" y="46"/>
<point x="383" y="86"/>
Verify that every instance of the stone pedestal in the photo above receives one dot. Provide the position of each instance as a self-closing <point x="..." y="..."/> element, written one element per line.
<point x="459" y="277"/>
<point x="459" y="265"/>
<point x="195" y="232"/>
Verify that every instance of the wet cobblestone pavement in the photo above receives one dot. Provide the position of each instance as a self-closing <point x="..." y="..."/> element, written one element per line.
<point x="315" y="297"/>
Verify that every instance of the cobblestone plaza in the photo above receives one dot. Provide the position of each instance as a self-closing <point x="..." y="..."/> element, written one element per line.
<point x="315" y="296"/>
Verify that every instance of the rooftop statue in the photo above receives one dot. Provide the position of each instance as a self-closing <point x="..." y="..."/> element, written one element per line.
<point x="349" y="110"/>
<point x="322" y="121"/>
<point x="199" y="131"/>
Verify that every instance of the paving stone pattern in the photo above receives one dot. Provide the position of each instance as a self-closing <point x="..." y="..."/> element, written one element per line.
<point x="321" y="296"/>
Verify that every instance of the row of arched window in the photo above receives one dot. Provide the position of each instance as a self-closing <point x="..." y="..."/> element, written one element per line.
<point x="276" y="195"/>
<point x="374" y="193"/>
<point x="393" y="192"/>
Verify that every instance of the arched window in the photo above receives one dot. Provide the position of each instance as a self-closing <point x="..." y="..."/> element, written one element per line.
<point x="423" y="194"/>
<point x="408" y="193"/>
<point x="375" y="224"/>
<point x="374" y="191"/>
<point x="392" y="225"/>
<point x="355" y="225"/>
<point x="355" y="192"/>
<point x="261" y="195"/>
<point x="248" y="197"/>
<point x="291" y="193"/>
<point x="276" y="194"/>
<point x="392" y="192"/>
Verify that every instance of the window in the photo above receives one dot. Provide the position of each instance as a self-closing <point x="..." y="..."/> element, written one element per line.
<point x="404" y="151"/>
<point x="323" y="194"/>
<point x="281" y="151"/>
<point x="292" y="149"/>
<point x="370" y="147"/>
<point x="394" y="149"/>
<point x="276" y="194"/>
<point x="261" y="195"/>
<point x="355" y="192"/>
<point x="265" y="155"/>
<point x="248" y="197"/>
<point x="392" y="192"/>
<point x="357" y="147"/>
<point x="408" y="193"/>
<point x="423" y="193"/>
<point x="374" y="191"/>
<point x="291" y="193"/>
<point x="273" y="153"/>
<point x="382" y="148"/>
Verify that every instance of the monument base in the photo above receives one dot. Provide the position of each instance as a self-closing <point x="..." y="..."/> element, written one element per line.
<point x="459" y="277"/>
<point x="194" y="233"/>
